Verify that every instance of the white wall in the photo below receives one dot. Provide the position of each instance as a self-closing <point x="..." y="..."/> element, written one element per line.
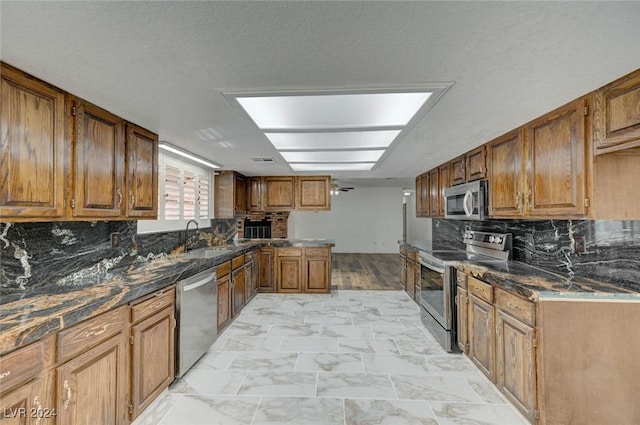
<point x="364" y="220"/>
<point x="418" y="228"/>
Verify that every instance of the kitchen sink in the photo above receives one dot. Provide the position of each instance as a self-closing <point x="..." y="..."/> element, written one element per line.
<point x="207" y="252"/>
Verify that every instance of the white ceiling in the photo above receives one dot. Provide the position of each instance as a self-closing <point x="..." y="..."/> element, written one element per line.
<point x="164" y="65"/>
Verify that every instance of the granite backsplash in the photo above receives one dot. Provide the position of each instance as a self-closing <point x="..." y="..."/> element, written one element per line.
<point x="33" y="255"/>
<point x="611" y="254"/>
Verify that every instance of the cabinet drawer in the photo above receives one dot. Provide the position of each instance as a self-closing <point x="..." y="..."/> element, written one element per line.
<point x="237" y="262"/>
<point x="515" y="306"/>
<point x="223" y="269"/>
<point x="85" y="335"/>
<point x="316" y="252"/>
<point x="289" y="252"/>
<point x="21" y="365"/>
<point x="461" y="279"/>
<point x="156" y="302"/>
<point x="482" y="290"/>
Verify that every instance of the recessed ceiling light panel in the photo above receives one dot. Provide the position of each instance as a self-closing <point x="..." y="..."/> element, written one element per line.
<point x="332" y="156"/>
<point x="357" y="166"/>
<point x="333" y="140"/>
<point x="333" y="111"/>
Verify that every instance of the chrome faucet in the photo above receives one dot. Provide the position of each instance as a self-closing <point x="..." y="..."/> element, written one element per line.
<point x="186" y="233"/>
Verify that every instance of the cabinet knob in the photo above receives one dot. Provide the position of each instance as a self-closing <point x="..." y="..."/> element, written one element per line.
<point x="67" y="391"/>
<point x="119" y="198"/>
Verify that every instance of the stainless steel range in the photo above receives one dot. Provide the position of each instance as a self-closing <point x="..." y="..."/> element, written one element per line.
<point x="438" y="280"/>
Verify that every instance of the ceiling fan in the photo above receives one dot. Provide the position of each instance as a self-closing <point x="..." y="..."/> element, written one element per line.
<point x="336" y="188"/>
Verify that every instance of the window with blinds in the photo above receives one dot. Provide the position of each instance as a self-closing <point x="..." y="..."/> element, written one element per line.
<point x="203" y="196"/>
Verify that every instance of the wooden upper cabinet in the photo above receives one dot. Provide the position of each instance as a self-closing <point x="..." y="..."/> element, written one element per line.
<point x="434" y="193"/>
<point x="254" y="194"/>
<point x="241" y="194"/>
<point x="98" y="171"/>
<point x="476" y="168"/>
<point x="616" y="115"/>
<point x="506" y="173"/>
<point x="279" y="193"/>
<point x="141" y="172"/>
<point x="458" y="174"/>
<point x="424" y="195"/>
<point x="444" y="184"/>
<point x="32" y="148"/>
<point x="312" y="193"/>
<point x="419" y="196"/>
<point x="556" y="162"/>
<point x="230" y="195"/>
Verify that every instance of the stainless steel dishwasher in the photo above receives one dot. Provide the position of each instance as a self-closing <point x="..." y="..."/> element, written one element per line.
<point x="197" y="311"/>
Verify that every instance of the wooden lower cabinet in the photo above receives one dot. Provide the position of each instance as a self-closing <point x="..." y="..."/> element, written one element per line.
<point x="92" y="388"/>
<point x="403" y="271"/>
<point x="224" y="301"/>
<point x="153" y="358"/>
<point x="482" y="336"/>
<point x="248" y="273"/>
<point x="515" y="363"/>
<point x="24" y="405"/>
<point x="462" y="302"/>
<point x="238" y="281"/>
<point x="317" y="270"/>
<point x="266" y="279"/>
<point x="289" y="274"/>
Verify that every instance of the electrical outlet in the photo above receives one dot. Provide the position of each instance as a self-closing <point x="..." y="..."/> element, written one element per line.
<point x="581" y="247"/>
<point x="115" y="240"/>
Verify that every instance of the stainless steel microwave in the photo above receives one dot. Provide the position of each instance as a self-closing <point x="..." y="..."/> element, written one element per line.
<point x="467" y="201"/>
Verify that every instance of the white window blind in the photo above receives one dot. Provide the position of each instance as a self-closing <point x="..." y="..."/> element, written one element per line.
<point x="185" y="194"/>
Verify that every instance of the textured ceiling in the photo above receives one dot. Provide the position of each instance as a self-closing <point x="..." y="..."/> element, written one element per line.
<point x="164" y="65"/>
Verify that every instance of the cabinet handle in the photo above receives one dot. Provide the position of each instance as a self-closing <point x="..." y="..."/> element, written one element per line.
<point x="67" y="391"/>
<point x="119" y="198"/>
<point x="513" y="306"/>
<point x="133" y="198"/>
<point x="159" y="293"/>
<point x="529" y="199"/>
<point x="518" y="200"/>
<point x="38" y="409"/>
<point x="100" y="331"/>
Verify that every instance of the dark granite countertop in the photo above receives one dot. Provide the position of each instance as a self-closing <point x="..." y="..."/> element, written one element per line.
<point x="29" y="316"/>
<point x="535" y="283"/>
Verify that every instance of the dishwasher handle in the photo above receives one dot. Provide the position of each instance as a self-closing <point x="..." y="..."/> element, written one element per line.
<point x="192" y="286"/>
<point x="198" y="280"/>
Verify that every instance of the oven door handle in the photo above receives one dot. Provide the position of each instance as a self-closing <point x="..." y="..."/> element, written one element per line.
<point x="466" y="204"/>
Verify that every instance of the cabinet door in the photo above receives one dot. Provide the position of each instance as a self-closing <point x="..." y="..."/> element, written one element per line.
<point x="238" y="291"/>
<point x="152" y="359"/>
<point x="403" y="271"/>
<point x="92" y="388"/>
<point x="265" y="278"/>
<point x="419" y="196"/>
<point x="411" y="279"/>
<point x="556" y="162"/>
<point x="458" y="172"/>
<point x="424" y="194"/>
<point x="249" y="272"/>
<point x="254" y="194"/>
<point x="279" y="193"/>
<point x="98" y="162"/>
<point x="476" y="164"/>
<point x="481" y="336"/>
<point x="312" y="193"/>
<point x="317" y="277"/>
<point x="141" y="173"/>
<point x="444" y="184"/>
<point x="616" y="116"/>
<point x="505" y="157"/>
<point x="240" y="188"/>
<point x="32" y="148"/>
<point x="289" y="274"/>
<point x="434" y="192"/>
<point x="224" y="301"/>
<point x="22" y="406"/>
<point x="461" y="319"/>
<point x="515" y="359"/>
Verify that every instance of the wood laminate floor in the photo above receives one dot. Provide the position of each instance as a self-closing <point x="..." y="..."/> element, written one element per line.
<point x="366" y="271"/>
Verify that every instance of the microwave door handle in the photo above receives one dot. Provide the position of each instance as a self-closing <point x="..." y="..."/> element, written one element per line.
<point x="466" y="203"/>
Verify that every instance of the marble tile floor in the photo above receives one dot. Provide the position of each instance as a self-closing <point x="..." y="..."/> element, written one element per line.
<point x="348" y="358"/>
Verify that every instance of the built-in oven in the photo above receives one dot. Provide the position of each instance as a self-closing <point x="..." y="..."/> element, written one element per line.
<point x="436" y="296"/>
<point x="467" y="201"/>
